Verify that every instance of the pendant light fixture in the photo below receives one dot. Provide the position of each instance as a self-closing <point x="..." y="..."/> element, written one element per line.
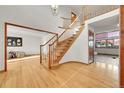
<point x="55" y="9"/>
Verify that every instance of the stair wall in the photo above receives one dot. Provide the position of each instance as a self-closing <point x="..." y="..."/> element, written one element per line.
<point x="79" y="50"/>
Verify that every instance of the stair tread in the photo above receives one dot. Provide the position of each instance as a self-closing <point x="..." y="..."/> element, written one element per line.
<point x="65" y="43"/>
<point x="62" y="48"/>
<point x="71" y="38"/>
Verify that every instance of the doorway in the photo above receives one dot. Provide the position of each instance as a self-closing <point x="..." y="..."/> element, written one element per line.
<point x="22" y="42"/>
<point x="107" y="44"/>
<point x="91" y="46"/>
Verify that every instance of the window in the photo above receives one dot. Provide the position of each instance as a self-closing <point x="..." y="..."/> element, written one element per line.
<point x="107" y="40"/>
<point x="101" y="43"/>
<point x="91" y="44"/>
<point x="110" y="43"/>
<point x="116" y="43"/>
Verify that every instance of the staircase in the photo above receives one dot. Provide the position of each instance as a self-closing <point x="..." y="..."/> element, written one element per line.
<point x="57" y="46"/>
<point x="63" y="46"/>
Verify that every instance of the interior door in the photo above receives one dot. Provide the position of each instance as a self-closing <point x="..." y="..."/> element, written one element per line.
<point x="91" y="46"/>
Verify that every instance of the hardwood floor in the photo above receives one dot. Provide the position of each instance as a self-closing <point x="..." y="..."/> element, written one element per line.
<point x="30" y="73"/>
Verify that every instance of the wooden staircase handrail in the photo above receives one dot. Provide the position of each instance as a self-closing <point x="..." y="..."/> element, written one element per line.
<point x="56" y="35"/>
<point x="63" y="27"/>
<point x="65" y="31"/>
<point x="67" y="18"/>
<point x="49" y="40"/>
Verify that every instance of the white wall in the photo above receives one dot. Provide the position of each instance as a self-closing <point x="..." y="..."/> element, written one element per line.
<point x="30" y="43"/>
<point x="34" y="16"/>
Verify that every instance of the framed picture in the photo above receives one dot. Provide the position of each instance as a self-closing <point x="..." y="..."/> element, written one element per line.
<point x="107" y="40"/>
<point x="14" y="41"/>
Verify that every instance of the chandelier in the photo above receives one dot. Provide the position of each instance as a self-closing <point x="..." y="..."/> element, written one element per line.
<point x="55" y="9"/>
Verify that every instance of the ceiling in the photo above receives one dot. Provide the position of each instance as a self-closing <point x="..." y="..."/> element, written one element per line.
<point x="107" y="23"/>
<point x="91" y="8"/>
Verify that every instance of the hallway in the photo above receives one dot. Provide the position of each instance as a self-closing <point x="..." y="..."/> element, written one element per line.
<point x="30" y="74"/>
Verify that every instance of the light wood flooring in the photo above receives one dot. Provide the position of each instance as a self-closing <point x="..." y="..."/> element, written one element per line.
<point x="29" y="73"/>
